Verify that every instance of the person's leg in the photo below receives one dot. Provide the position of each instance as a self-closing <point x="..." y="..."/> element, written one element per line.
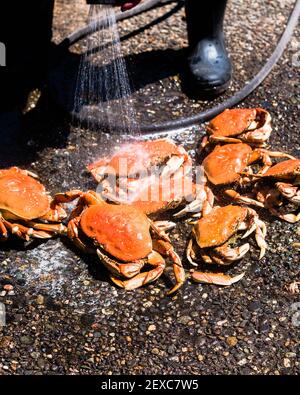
<point x="25" y="30"/>
<point x="208" y="63"/>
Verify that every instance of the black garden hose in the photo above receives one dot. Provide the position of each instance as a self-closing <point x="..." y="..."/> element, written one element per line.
<point x="120" y="16"/>
<point x="185" y="122"/>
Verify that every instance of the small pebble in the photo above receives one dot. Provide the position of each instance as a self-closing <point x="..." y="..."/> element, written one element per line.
<point x="40" y="300"/>
<point x="26" y="340"/>
<point x="231" y="341"/>
<point x="242" y="362"/>
<point x="286" y="363"/>
<point x="155" y="351"/>
<point x="151" y="328"/>
<point x="185" y="319"/>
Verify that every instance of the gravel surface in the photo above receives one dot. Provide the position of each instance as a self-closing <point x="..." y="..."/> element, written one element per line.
<point x="64" y="315"/>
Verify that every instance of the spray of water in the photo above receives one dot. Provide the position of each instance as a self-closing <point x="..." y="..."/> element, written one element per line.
<point x="103" y="80"/>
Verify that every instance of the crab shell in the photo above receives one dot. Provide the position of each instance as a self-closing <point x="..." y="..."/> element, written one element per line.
<point x="136" y="182"/>
<point x="219" y="226"/>
<point x="156" y="195"/>
<point x="285" y="170"/>
<point x="233" y="122"/>
<point x="122" y="231"/>
<point x="22" y="195"/>
<point x="225" y="163"/>
<point x="134" y="158"/>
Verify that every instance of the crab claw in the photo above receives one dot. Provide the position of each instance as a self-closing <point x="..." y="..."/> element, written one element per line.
<point x="172" y="166"/>
<point x="230" y="255"/>
<point x="194" y="208"/>
<point x="167" y="249"/>
<point x="216" y="278"/>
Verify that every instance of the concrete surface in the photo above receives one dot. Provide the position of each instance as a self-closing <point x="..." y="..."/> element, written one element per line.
<point x="63" y="314"/>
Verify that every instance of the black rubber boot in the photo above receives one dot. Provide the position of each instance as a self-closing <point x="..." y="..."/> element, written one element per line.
<point x="209" y="67"/>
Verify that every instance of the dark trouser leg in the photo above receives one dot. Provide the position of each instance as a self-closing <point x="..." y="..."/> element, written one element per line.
<point x="25" y="30"/>
<point x="209" y="65"/>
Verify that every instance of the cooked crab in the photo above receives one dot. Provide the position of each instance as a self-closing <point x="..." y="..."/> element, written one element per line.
<point x="124" y="238"/>
<point x="278" y="182"/>
<point x="153" y="175"/>
<point x="250" y="125"/>
<point x="136" y="158"/>
<point x="213" y="237"/>
<point x="226" y="163"/>
<point x="26" y="210"/>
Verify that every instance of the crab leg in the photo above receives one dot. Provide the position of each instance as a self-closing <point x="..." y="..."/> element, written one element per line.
<point x="67" y="197"/>
<point x="194" y="207"/>
<point x="154" y="259"/>
<point x="55" y="228"/>
<point x="73" y="235"/>
<point x="165" y="248"/>
<point x="266" y="156"/>
<point x="206" y="258"/>
<point x="99" y="168"/>
<point x="202" y="204"/>
<point x="289" y="217"/>
<point x="55" y="214"/>
<point x="24" y="232"/>
<point x="190" y="252"/>
<point x="89" y="198"/>
<point x="3" y="231"/>
<point x="159" y="231"/>
<point x="260" y="231"/>
<point x="172" y="166"/>
<point x="215" y="278"/>
<point x="225" y="255"/>
<point x="242" y="199"/>
<point x="289" y="191"/>
<point x="164" y="225"/>
<point x="209" y="201"/>
<point x="260" y="234"/>
<point x="221" y="139"/>
<point x="204" y="143"/>
<point x="25" y="172"/>
<point x="257" y="137"/>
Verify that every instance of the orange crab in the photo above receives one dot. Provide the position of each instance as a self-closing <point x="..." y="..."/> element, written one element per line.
<point x="26" y="210"/>
<point x="125" y="239"/>
<point x="152" y="175"/>
<point x="250" y="125"/>
<point x="226" y="163"/>
<point x="277" y="182"/>
<point x="214" y="234"/>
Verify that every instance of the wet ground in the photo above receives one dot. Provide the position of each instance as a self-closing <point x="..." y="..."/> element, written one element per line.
<point x="64" y="315"/>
